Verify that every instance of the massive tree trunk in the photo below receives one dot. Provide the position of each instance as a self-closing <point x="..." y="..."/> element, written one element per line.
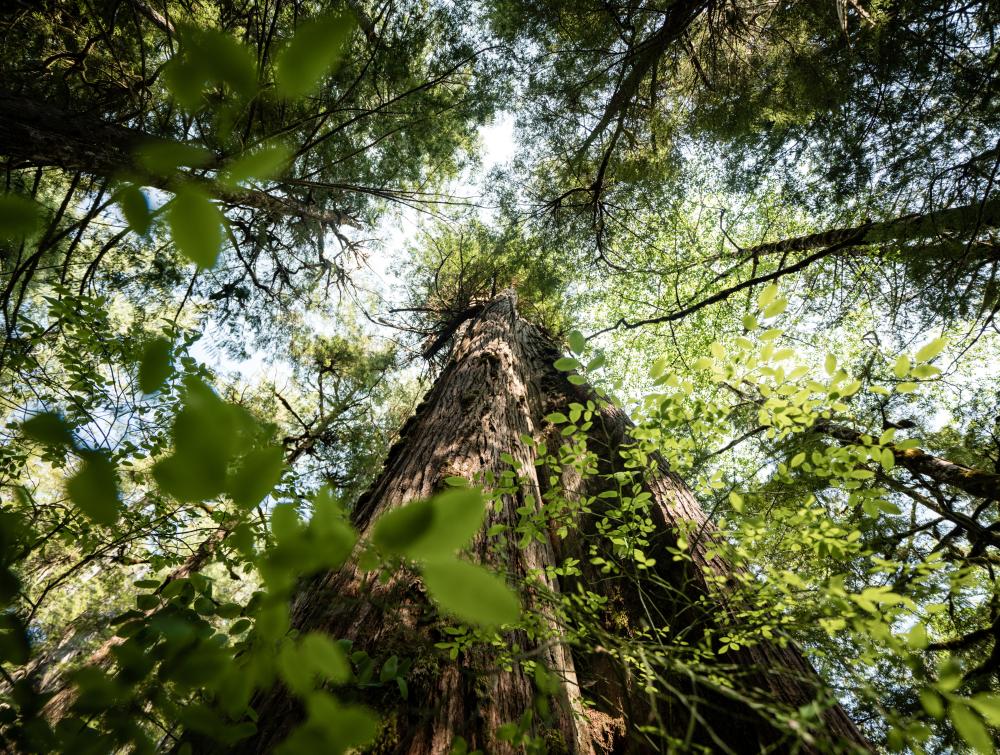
<point x="494" y="393"/>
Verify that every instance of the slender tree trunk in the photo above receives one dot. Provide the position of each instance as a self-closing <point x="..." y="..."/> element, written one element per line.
<point x="495" y="391"/>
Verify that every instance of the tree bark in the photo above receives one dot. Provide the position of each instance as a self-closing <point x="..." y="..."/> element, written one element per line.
<point x="959" y="221"/>
<point x="496" y="389"/>
<point x="975" y="482"/>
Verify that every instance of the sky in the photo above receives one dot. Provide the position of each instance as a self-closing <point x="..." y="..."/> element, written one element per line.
<point x="390" y="239"/>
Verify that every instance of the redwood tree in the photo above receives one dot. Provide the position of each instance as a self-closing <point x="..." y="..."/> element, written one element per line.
<point x="491" y="419"/>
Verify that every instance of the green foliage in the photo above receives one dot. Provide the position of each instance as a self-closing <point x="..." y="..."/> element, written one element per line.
<point x="470" y="593"/>
<point x="431" y="529"/>
<point x="196" y="226"/>
<point x="312" y="53"/>
<point x="830" y="402"/>
<point x="19" y="216"/>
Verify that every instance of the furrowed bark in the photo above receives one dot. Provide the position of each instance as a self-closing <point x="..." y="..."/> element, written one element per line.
<point x="498" y="386"/>
<point x="485" y="399"/>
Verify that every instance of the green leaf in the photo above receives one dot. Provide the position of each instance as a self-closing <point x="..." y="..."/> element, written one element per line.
<point x="916" y="638"/>
<point x="577" y="343"/>
<point x="285" y="522"/>
<point x="931" y="350"/>
<point x="970" y="726"/>
<point x="195" y="225"/>
<point x="204" y="434"/>
<point x="155" y="367"/>
<point x="325" y="657"/>
<point x="209" y="57"/>
<point x="887" y="459"/>
<point x="262" y="163"/>
<point x="19" y="216"/>
<point x="767" y="296"/>
<point x="902" y="367"/>
<point x="906" y="387"/>
<point x="48" y="428"/>
<point x="830" y="365"/>
<point x="313" y="53"/>
<point x="932" y="703"/>
<point x="565" y="364"/>
<point x="988" y="705"/>
<point x="256" y="476"/>
<point x="397" y="529"/>
<point x="750" y="322"/>
<point x="163" y="158"/>
<point x="596" y="363"/>
<point x="471" y="593"/>
<point x="135" y="207"/>
<point x="389" y="669"/>
<point x="94" y="488"/>
<point x="924" y="371"/>
<point x="776" y="308"/>
<point x="434" y="528"/>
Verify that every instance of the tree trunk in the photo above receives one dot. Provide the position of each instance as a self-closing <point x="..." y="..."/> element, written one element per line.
<point x="496" y="389"/>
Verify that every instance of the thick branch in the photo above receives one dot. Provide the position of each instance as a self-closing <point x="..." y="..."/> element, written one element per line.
<point x="975" y="482"/>
<point x="644" y="56"/>
<point x="34" y="134"/>
<point x="954" y="220"/>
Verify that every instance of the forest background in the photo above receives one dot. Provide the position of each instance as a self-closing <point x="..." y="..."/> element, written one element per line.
<point x="242" y="240"/>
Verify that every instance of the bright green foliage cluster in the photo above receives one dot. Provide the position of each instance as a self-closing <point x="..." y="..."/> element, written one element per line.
<point x="777" y="222"/>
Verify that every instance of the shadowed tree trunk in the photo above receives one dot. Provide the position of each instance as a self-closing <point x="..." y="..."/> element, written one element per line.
<point x="495" y="391"/>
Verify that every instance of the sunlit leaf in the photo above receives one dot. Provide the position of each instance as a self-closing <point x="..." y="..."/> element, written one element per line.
<point x="204" y="433"/>
<point x="257" y="474"/>
<point x="434" y="528"/>
<point x="931" y="350"/>
<point x="970" y="726"/>
<point x="767" y="296"/>
<point x="902" y="366"/>
<point x="397" y="529"/>
<point x="775" y="308"/>
<point x="565" y="364"/>
<point x="577" y="342"/>
<point x="471" y="593"/>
